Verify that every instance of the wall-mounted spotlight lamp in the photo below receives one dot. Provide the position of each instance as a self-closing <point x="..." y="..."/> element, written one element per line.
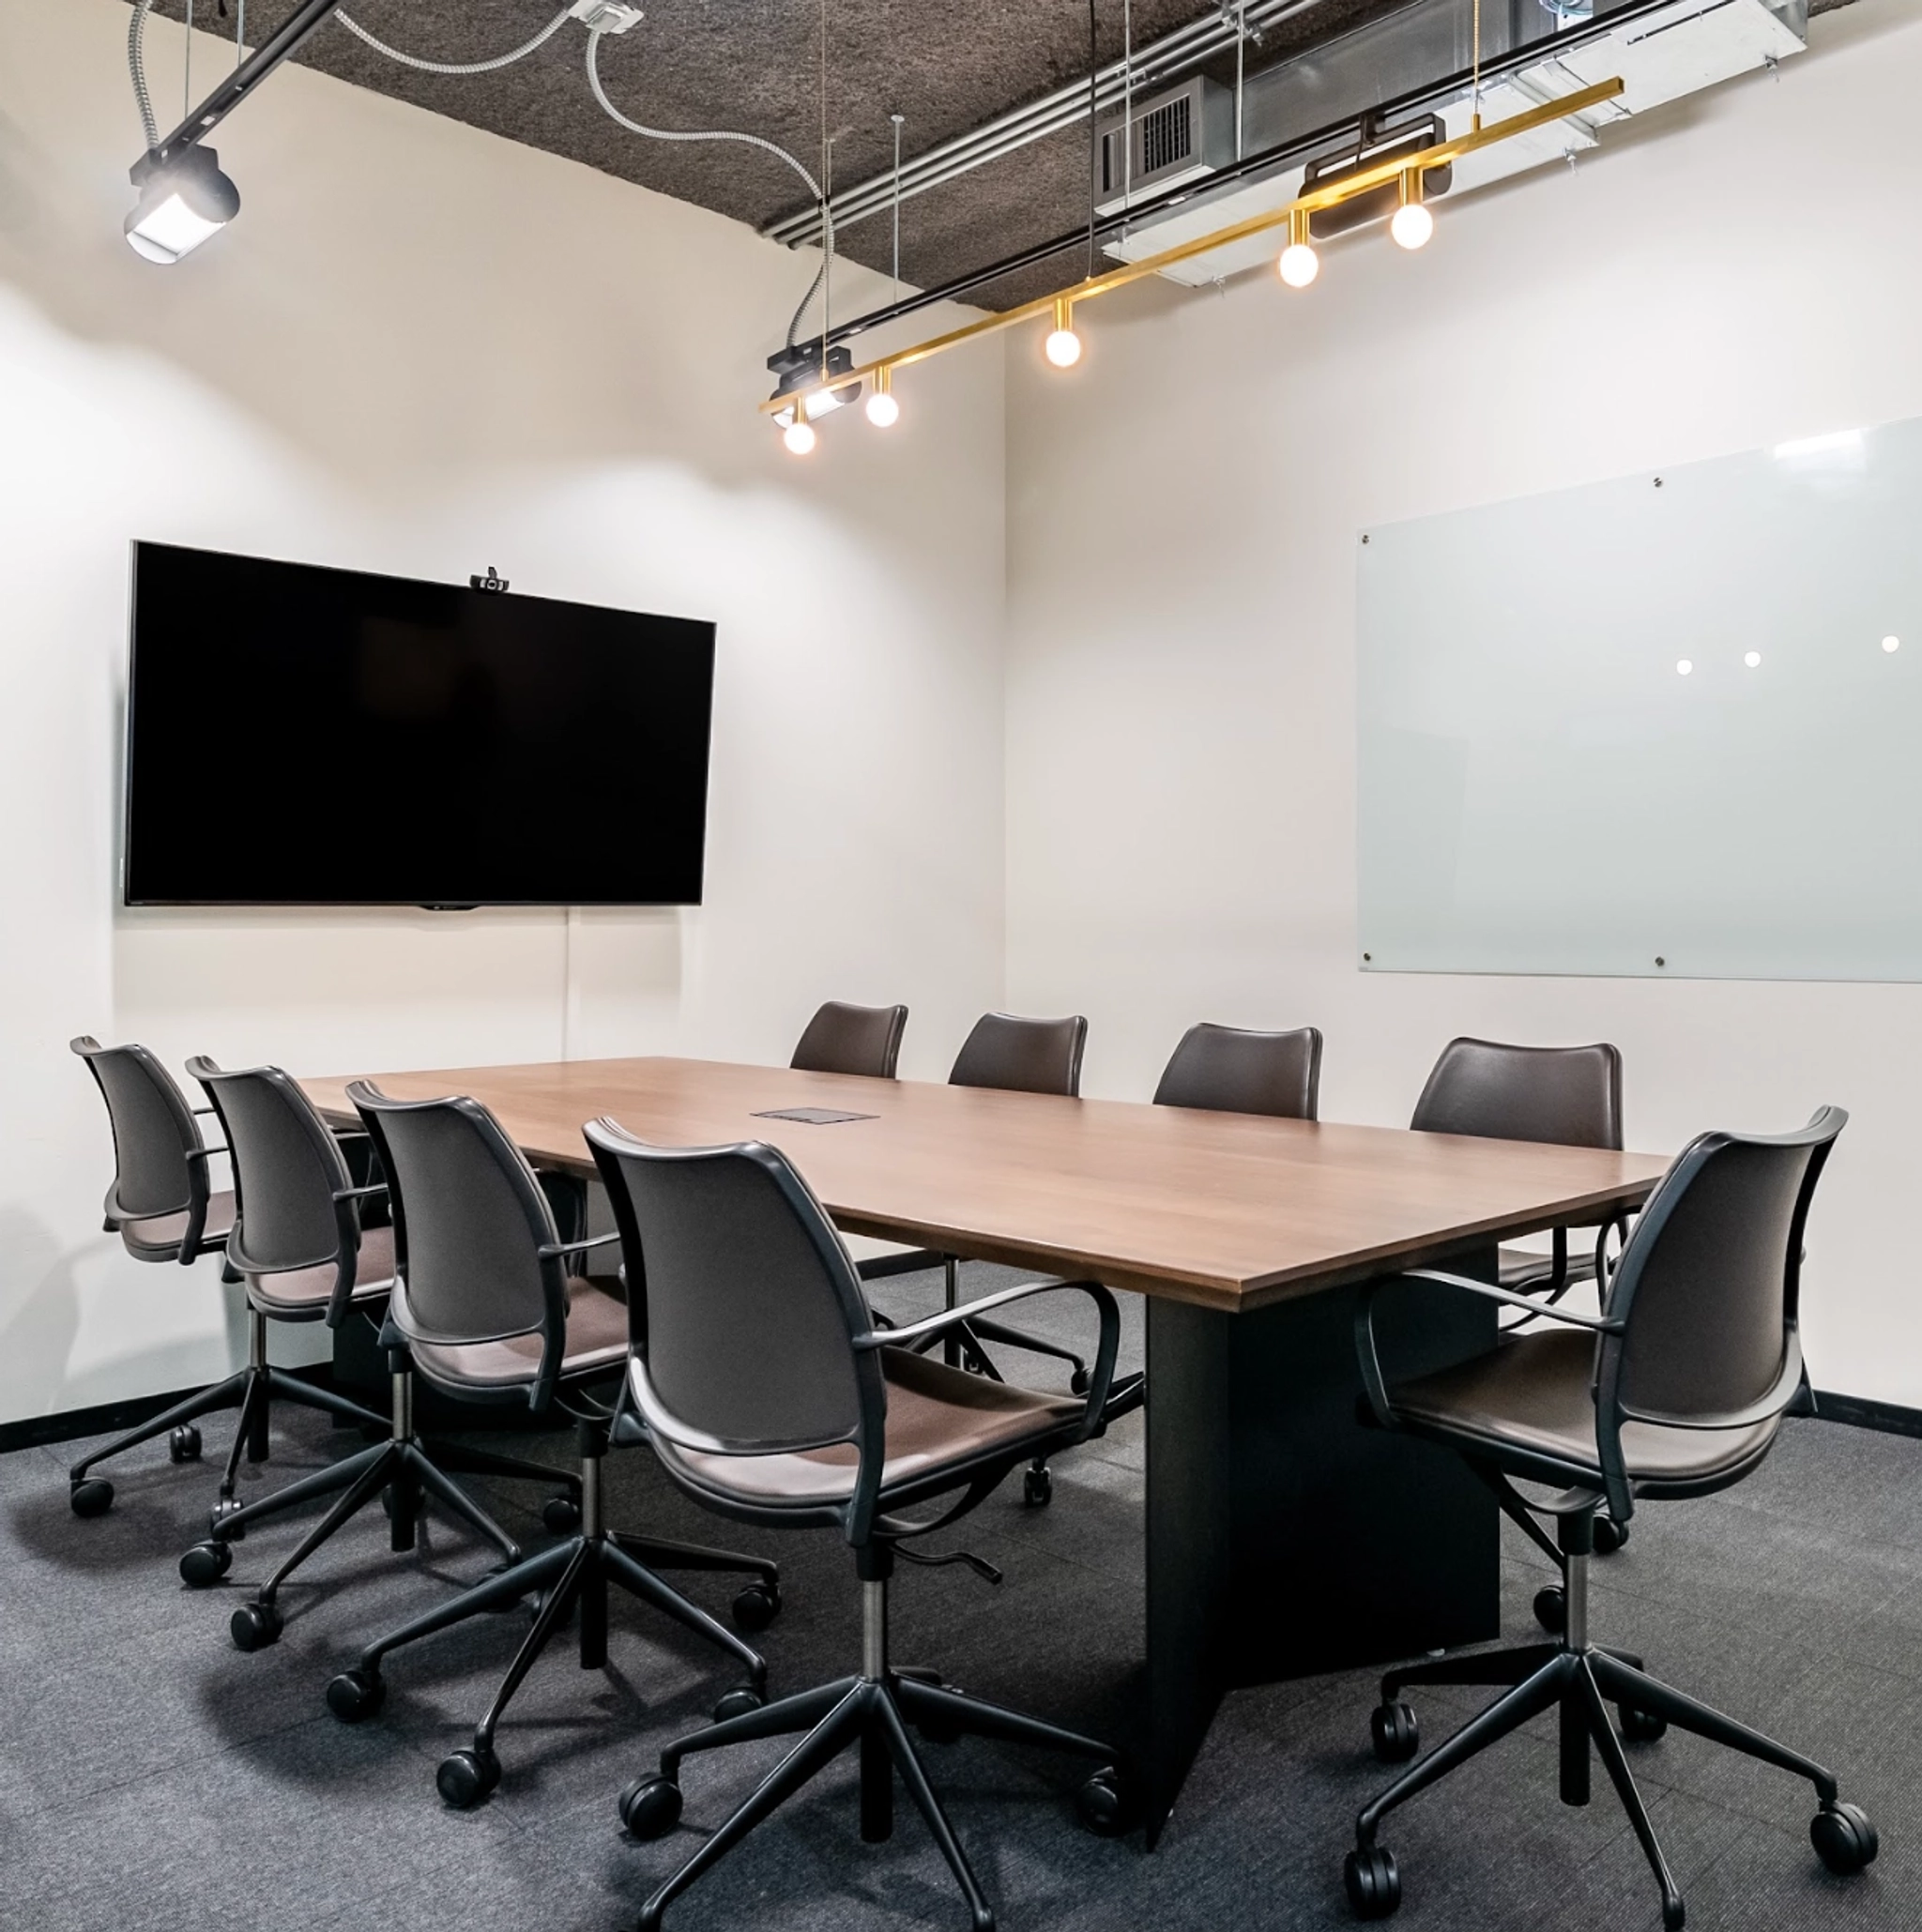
<point x="1064" y="346"/>
<point x="182" y="202"/>
<point x="1359" y="191"/>
<point x="184" y="197"/>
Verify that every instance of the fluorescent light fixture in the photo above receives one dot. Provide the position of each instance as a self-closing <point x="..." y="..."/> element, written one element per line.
<point x="183" y="200"/>
<point x="1830" y="444"/>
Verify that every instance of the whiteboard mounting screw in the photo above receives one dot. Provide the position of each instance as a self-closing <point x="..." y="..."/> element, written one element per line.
<point x="1364" y="536"/>
<point x="1367" y="957"/>
<point x="1658" y="482"/>
<point x="1660" y="961"/>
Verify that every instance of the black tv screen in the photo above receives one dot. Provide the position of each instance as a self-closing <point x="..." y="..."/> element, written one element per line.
<point x="308" y="736"/>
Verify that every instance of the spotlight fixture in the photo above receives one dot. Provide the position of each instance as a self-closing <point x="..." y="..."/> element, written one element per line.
<point x="183" y="200"/>
<point x="1411" y="224"/>
<point x="1299" y="264"/>
<point x="809" y="388"/>
<point x="1064" y="346"/>
<point x="882" y="409"/>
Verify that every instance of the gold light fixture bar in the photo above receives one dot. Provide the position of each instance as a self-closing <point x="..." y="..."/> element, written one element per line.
<point x="1294" y="217"/>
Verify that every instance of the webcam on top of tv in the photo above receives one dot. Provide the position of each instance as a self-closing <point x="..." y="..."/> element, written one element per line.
<point x="494" y="585"/>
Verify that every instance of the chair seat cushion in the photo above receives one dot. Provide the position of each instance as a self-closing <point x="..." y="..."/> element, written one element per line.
<point x="936" y="1416"/>
<point x="1533" y="1392"/>
<point x="157" y="1238"/>
<point x="301" y="1294"/>
<point x="596" y="1339"/>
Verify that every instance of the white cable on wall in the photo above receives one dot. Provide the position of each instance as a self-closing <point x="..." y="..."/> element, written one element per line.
<point x="451" y="66"/>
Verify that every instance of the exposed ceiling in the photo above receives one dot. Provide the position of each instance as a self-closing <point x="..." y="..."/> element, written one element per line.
<point x="755" y="66"/>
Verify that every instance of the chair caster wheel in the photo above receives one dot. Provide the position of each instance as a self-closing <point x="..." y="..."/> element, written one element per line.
<point x="183" y="1444"/>
<point x="205" y="1563"/>
<point x="1038" y="1489"/>
<point x="757" y="1605"/>
<point x="356" y="1693"/>
<point x="1374" y="1885"/>
<point x="1639" y="1727"/>
<point x="91" y="1496"/>
<point x="561" y="1514"/>
<point x="1551" y="1608"/>
<point x="738" y="1702"/>
<point x="1396" y="1734"/>
<point x="1609" y="1536"/>
<point x="254" y="1626"/>
<point x="650" y="1807"/>
<point x="467" y="1777"/>
<point x="1107" y="1804"/>
<point x="1843" y="1838"/>
<point x="216" y="1520"/>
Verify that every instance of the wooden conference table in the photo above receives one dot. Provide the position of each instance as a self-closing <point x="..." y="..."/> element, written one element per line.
<point x="1282" y="1537"/>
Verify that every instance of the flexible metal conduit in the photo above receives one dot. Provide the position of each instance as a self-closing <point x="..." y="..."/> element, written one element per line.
<point x="1174" y="54"/>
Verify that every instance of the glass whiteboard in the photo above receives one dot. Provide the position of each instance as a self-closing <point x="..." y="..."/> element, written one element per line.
<point x="1665" y="725"/>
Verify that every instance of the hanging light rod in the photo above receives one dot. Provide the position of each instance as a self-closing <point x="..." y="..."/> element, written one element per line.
<point x="1403" y="171"/>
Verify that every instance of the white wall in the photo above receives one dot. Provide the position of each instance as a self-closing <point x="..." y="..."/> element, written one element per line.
<point x="423" y="350"/>
<point x="1737" y="271"/>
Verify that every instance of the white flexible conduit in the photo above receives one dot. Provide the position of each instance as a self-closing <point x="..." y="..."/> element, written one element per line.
<point x="450" y="67"/>
<point x="814" y="187"/>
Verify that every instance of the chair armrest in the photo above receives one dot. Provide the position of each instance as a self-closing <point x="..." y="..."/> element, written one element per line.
<point x="553" y="1251"/>
<point x="204" y="1153"/>
<point x="1375" y="1385"/>
<point x="1100" y="1378"/>
<point x="357" y="1193"/>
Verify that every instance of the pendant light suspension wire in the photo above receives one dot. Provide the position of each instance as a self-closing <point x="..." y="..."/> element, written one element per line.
<point x="774" y="148"/>
<point x="1127" y="113"/>
<point x="1477" y="123"/>
<point x="898" y="120"/>
<point x="1094" y="138"/>
<point x="240" y="37"/>
<point x="827" y="198"/>
<point x="186" y="66"/>
<point x="1240" y="52"/>
<point x="454" y="66"/>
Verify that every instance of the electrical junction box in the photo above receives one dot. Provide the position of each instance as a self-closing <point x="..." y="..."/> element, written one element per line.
<point x="605" y="16"/>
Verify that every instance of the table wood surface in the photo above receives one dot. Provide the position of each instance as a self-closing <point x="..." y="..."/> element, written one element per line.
<point x="1227" y="1210"/>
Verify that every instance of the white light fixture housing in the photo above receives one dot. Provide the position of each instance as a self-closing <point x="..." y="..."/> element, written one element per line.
<point x="183" y="200"/>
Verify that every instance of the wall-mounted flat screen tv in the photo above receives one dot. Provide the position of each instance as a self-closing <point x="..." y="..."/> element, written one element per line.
<point x="308" y="736"/>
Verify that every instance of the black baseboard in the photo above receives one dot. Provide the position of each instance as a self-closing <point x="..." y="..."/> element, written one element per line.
<point x="110" y="1417"/>
<point x="1859" y="1412"/>
<point x="912" y="1262"/>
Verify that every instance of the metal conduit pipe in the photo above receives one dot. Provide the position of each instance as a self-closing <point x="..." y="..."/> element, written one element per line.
<point x="1164" y="59"/>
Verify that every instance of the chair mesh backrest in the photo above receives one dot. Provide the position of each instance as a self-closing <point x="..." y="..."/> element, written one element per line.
<point x="154" y="1130"/>
<point x="286" y="1168"/>
<point x="1569" y="1095"/>
<point x="744" y="1301"/>
<point x="1709" y="1278"/>
<point x="1022" y="1056"/>
<point x="469" y="1219"/>
<point x="844" y="1039"/>
<point x="1229" y="1070"/>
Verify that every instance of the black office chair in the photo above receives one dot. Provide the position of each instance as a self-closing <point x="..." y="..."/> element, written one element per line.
<point x="300" y="1246"/>
<point x="1569" y="1096"/>
<point x="492" y="1311"/>
<point x="1015" y="1056"/>
<point x="1676" y="1390"/>
<point x="770" y="1397"/>
<point x="162" y="1208"/>
<point x="1230" y="1069"/>
<point x="844" y="1039"/>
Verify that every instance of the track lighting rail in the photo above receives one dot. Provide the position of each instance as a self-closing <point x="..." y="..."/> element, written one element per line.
<point x="258" y="64"/>
<point x="1403" y="170"/>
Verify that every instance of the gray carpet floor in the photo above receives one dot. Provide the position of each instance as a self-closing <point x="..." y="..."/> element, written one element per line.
<point x="153" y="1777"/>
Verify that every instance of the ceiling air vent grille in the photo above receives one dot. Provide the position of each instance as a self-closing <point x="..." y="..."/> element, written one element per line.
<point x="1178" y="135"/>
